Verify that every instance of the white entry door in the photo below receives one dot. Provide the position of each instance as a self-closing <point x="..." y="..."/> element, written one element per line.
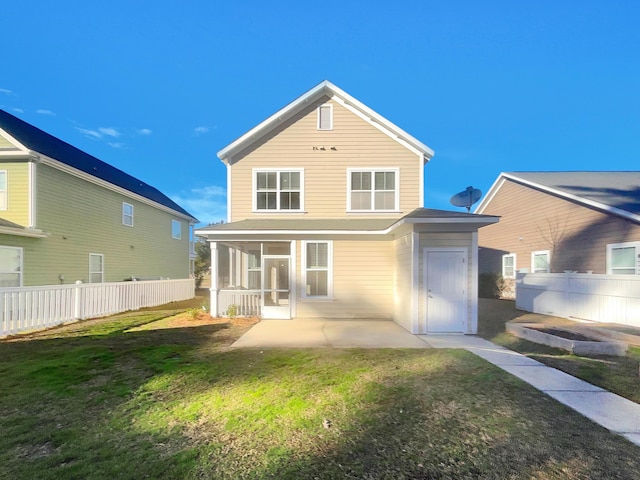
<point x="276" y="292"/>
<point x="445" y="280"/>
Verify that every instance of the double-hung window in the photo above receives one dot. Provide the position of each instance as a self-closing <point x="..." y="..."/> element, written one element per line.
<point x="623" y="258"/>
<point x="373" y="190"/>
<point x="317" y="269"/>
<point x="176" y="229"/>
<point x="540" y="261"/>
<point x="96" y="268"/>
<point x="10" y="266"/>
<point x="509" y="265"/>
<point x="278" y="190"/>
<point x="254" y="280"/>
<point x="127" y="214"/>
<point x="4" y="204"/>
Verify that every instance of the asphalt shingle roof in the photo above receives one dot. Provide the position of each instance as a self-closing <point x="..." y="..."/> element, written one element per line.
<point x="39" y="141"/>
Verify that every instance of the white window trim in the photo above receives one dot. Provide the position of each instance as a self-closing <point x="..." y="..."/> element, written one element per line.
<point x="541" y="252"/>
<point x="6" y="192"/>
<point x="124" y="215"/>
<point x="303" y="255"/>
<point x="509" y="255"/>
<point x="373" y="172"/>
<point x="254" y="187"/>
<point x="174" y="222"/>
<point x="330" y="117"/>
<point x="21" y="262"/>
<point x="101" y="263"/>
<point x="612" y="246"/>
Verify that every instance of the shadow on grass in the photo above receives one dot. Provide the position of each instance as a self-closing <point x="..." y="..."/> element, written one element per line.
<point x="176" y="404"/>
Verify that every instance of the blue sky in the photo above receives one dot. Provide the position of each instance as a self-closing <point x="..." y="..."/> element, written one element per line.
<point x="157" y="88"/>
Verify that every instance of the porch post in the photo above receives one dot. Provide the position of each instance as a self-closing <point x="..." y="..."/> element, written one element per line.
<point x="213" y="291"/>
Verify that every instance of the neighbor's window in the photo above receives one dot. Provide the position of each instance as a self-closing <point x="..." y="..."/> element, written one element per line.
<point x="176" y="229"/>
<point x="325" y="117"/>
<point x="317" y="261"/>
<point x="623" y="258"/>
<point x="540" y="261"/>
<point x="373" y="190"/>
<point x="253" y="270"/>
<point x="10" y="266"/>
<point x="96" y="268"/>
<point x="509" y="265"/>
<point x="278" y="190"/>
<point x="127" y="214"/>
<point x="4" y="204"/>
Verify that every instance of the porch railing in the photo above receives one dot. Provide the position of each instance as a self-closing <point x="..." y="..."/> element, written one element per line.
<point x="241" y="303"/>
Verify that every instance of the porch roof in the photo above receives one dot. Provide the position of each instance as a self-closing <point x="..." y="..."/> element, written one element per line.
<point x="345" y="225"/>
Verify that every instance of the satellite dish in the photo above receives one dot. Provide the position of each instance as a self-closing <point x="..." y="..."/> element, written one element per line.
<point x="467" y="198"/>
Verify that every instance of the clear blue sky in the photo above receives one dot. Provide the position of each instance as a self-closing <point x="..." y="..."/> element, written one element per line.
<point x="157" y="88"/>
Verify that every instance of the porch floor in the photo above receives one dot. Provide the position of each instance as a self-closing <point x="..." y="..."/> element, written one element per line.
<point x="329" y="333"/>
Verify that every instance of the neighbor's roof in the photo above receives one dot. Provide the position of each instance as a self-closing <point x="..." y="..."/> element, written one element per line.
<point x="615" y="192"/>
<point x="344" y="225"/>
<point x="328" y="89"/>
<point x="41" y="142"/>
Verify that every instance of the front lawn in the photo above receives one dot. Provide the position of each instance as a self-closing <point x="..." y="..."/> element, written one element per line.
<point x="151" y="395"/>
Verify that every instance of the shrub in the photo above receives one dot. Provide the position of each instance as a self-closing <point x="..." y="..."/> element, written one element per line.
<point x="490" y="285"/>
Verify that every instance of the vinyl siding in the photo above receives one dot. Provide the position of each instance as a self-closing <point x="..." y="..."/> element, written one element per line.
<point x="81" y="218"/>
<point x="531" y="220"/>
<point x="402" y="281"/>
<point x="17" y="192"/>
<point x="440" y="240"/>
<point x="362" y="282"/>
<point x="357" y="145"/>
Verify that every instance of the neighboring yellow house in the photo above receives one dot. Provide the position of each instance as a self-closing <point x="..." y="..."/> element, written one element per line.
<point x="67" y="216"/>
<point x="325" y="219"/>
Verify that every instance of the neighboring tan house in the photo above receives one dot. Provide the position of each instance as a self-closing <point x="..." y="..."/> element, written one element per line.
<point x="562" y="221"/>
<point x="325" y="219"/>
<point x="67" y="216"/>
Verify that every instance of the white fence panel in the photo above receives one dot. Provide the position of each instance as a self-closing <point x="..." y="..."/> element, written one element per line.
<point x="600" y="298"/>
<point x="29" y="308"/>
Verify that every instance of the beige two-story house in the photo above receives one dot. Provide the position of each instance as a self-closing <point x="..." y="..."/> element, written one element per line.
<point x="326" y="219"/>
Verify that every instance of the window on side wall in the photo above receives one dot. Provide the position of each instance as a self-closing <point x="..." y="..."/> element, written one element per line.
<point x="540" y="261"/>
<point x="127" y="214"/>
<point x="623" y="258"/>
<point x="509" y="265"/>
<point x="4" y="203"/>
<point x="373" y="190"/>
<point x="96" y="268"/>
<point x="278" y="190"/>
<point x="176" y="229"/>
<point x="325" y="117"/>
<point x="254" y="270"/>
<point x="317" y="264"/>
<point x="10" y="266"/>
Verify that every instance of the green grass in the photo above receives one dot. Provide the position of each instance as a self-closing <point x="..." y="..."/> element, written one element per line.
<point x="620" y="375"/>
<point x="105" y="401"/>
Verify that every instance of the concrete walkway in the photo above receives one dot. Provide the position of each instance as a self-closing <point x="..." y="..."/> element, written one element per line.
<point x="613" y="412"/>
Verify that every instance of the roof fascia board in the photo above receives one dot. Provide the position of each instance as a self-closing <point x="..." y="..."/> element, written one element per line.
<point x="490" y="194"/>
<point x="575" y="198"/>
<point x="45" y="160"/>
<point x="329" y="89"/>
<point x="28" y="232"/>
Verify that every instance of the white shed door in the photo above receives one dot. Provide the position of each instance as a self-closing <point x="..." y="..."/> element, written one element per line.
<point x="445" y="280"/>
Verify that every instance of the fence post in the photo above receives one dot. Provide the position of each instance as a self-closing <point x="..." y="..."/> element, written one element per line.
<point x="78" y="300"/>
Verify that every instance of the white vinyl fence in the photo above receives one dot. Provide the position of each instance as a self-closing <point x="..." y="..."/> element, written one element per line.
<point x="28" y="308"/>
<point x="600" y="298"/>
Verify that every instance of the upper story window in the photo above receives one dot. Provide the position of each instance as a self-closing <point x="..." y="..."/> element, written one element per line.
<point x="373" y="190"/>
<point x="325" y="117"/>
<point x="541" y="261"/>
<point x="127" y="214"/>
<point x="509" y="265"/>
<point x="96" y="268"/>
<point x="4" y="204"/>
<point x="278" y="190"/>
<point x="10" y="266"/>
<point x="176" y="229"/>
<point x="623" y="258"/>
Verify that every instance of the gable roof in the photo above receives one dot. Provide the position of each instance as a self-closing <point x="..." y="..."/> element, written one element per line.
<point x="325" y="88"/>
<point x="617" y="193"/>
<point x="41" y="142"/>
